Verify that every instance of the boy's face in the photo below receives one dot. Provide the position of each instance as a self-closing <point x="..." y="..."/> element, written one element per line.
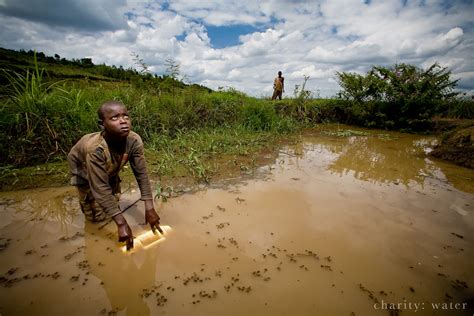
<point x="116" y="121"/>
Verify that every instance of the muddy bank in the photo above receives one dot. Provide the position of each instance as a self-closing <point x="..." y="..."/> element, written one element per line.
<point x="338" y="223"/>
<point x="457" y="146"/>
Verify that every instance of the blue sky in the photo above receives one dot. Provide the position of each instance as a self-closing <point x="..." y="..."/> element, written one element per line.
<point x="225" y="36"/>
<point x="242" y="44"/>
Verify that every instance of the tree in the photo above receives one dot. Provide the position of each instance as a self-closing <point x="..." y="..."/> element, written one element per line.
<point x="172" y="68"/>
<point x="401" y="95"/>
<point x="143" y="67"/>
<point x="401" y="83"/>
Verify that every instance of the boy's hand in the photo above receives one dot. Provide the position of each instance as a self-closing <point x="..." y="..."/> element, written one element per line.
<point x="153" y="219"/>
<point x="124" y="231"/>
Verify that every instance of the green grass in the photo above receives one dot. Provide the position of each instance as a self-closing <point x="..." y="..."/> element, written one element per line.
<point x="198" y="155"/>
<point x="188" y="130"/>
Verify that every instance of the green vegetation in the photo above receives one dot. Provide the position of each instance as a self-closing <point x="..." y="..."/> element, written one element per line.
<point x="402" y="97"/>
<point x="48" y="103"/>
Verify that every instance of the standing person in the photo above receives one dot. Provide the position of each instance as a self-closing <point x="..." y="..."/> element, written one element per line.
<point x="278" y="86"/>
<point x="95" y="162"/>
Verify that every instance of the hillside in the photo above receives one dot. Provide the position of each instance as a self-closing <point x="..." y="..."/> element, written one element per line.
<point x="58" y="68"/>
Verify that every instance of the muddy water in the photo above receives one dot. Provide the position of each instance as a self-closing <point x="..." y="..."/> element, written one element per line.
<point x="335" y="226"/>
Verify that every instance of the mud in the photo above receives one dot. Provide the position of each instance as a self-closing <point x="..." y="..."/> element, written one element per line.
<point x="334" y="226"/>
<point x="457" y="146"/>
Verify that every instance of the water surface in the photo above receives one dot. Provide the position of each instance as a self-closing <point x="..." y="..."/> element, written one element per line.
<point x="334" y="226"/>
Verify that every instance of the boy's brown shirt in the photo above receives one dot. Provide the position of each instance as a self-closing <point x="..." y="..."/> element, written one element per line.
<point x="93" y="163"/>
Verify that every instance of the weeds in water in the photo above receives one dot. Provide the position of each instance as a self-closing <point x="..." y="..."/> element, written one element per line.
<point x="345" y="133"/>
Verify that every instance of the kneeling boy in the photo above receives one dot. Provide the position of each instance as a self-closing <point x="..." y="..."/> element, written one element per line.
<point x="95" y="162"/>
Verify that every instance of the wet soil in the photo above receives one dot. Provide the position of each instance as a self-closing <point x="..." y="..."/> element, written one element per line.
<point x="457" y="146"/>
<point x="355" y="225"/>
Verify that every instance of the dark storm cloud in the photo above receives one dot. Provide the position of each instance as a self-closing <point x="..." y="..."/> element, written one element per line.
<point x="87" y="15"/>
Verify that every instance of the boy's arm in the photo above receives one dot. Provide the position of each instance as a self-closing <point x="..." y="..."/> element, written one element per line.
<point x="138" y="164"/>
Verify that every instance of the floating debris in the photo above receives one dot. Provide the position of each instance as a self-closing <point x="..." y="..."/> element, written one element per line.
<point x="75" y="236"/>
<point x="84" y="265"/>
<point x="222" y="225"/>
<point x="457" y="235"/>
<point x="459" y="285"/>
<point x="12" y="271"/>
<point x="205" y="294"/>
<point x="208" y="216"/>
<point x="239" y="200"/>
<point x="234" y="242"/>
<point x="72" y="254"/>
<point x="194" y="278"/>
<point x="326" y="267"/>
<point x="245" y="289"/>
<point x="160" y="299"/>
<point x="257" y="273"/>
<point x="304" y="267"/>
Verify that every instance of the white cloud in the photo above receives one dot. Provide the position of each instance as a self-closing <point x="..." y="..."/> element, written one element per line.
<point x="315" y="38"/>
<point x="220" y="13"/>
<point x="441" y="43"/>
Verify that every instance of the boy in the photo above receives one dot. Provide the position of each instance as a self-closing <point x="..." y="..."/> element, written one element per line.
<point x="278" y="86"/>
<point x="95" y="162"/>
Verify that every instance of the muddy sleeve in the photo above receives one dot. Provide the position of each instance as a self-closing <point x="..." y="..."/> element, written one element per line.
<point x="99" y="182"/>
<point x="138" y="164"/>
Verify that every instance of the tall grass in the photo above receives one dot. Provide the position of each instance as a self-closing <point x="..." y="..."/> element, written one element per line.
<point x="41" y="119"/>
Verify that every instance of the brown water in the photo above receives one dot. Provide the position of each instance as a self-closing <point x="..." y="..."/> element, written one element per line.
<point x="335" y="226"/>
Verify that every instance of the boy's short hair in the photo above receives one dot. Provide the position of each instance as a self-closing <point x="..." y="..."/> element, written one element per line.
<point x="100" y="110"/>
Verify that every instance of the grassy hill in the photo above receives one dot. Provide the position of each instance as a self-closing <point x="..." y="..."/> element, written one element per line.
<point x="48" y="103"/>
<point x="57" y="68"/>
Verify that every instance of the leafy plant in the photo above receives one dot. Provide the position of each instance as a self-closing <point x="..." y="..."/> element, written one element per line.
<point x="404" y="95"/>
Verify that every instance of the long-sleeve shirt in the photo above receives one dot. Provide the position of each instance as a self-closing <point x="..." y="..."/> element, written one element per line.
<point x="94" y="163"/>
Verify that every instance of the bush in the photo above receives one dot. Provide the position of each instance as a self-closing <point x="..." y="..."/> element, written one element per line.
<point x="400" y="96"/>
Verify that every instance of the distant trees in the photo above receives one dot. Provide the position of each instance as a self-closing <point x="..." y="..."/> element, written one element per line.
<point x="400" y="83"/>
<point x="399" y="95"/>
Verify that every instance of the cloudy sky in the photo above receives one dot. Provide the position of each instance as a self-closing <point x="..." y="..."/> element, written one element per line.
<point x="243" y="43"/>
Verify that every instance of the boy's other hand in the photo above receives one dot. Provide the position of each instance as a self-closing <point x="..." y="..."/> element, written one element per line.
<point x="124" y="231"/>
<point x="153" y="219"/>
<point x="125" y="235"/>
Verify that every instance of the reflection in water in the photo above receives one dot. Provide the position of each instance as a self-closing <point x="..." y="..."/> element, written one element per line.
<point x="376" y="161"/>
<point x="59" y="209"/>
<point x="43" y="205"/>
<point x="121" y="274"/>
<point x="386" y="158"/>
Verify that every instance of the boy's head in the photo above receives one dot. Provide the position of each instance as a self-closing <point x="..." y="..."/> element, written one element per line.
<point x="279" y="73"/>
<point x="114" y="119"/>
